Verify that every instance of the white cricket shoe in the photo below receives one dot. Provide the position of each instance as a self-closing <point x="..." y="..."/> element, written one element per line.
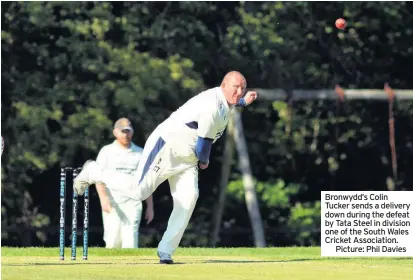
<point x="86" y="177"/>
<point x="165" y="258"/>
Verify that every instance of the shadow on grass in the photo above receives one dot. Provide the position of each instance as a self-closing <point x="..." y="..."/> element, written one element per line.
<point x="257" y="261"/>
<point x="74" y="263"/>
<point x="147" y="262"/>
<point x="152" y="261"/>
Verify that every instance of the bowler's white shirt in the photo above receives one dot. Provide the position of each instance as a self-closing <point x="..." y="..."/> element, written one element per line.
<point x="117" y="158"/>
<point x="208" y="110"/>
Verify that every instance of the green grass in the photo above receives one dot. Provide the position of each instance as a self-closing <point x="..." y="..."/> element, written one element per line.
<point x="293" y="263"/>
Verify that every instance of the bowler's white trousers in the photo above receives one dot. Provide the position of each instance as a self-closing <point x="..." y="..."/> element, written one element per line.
<point x="163" y="160"/>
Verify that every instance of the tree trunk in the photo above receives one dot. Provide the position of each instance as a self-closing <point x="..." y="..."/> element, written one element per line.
<point x="250" y="194"/>
<point x="225" y="172"/>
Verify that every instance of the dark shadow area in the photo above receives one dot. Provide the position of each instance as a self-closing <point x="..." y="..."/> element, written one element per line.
<point x="68" y="263"/>
<point x="155" y="262"/>
<point x="150" y="261"/>
<point x="257" y="261"/>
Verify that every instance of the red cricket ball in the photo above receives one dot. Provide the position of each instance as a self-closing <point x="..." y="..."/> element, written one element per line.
<point x="341" y="23"/>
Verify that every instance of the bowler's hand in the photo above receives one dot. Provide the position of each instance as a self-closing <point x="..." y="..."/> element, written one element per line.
<point x="149" y="215"/>
<point x="203" y="165"/>
<point x="106" y="206"/>
<point x="250" y="97"/>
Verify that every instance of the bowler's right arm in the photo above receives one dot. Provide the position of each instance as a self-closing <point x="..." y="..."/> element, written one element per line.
<point x="206" y="135"/>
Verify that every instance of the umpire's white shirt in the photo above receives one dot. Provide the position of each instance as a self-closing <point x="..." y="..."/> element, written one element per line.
<point x="116" y="158"/>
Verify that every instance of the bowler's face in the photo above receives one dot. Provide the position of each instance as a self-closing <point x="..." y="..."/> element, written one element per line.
<point x="235" y="89"/>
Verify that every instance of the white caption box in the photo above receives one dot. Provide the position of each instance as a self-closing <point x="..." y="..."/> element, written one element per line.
<point x="374" y="224"/>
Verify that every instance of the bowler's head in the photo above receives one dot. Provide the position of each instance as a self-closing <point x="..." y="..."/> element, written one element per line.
<point x="233" y="85"/>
